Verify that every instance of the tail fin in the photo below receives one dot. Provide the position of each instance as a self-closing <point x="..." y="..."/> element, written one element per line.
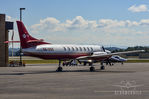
<point x="26" y="39"/>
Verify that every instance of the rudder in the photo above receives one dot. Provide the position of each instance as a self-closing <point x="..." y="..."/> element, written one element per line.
<point x="27" y="40"/>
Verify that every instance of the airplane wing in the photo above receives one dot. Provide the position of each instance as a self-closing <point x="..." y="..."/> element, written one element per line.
<point x="127" y="52"/>
<point x="107" y="55"/>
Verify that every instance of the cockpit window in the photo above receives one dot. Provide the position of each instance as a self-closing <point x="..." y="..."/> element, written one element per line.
<point x="116" y="57"/>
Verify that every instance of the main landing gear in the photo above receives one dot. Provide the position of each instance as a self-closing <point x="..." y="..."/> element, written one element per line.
<point x="92" y="68"/>
<point x="102" y="66"/>
<point x="59" y="69"/>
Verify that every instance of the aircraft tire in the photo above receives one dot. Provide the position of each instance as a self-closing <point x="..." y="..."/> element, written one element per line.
<point x="102" y="67"/>
<point x="92" y="69"/>
<point x="59" y="69"/>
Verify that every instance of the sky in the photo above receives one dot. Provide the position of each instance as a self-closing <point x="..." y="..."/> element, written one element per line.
<point x="118" y="23"/>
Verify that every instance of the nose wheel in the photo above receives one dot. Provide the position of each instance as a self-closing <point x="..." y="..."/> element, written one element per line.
<point x="59" y="69"/>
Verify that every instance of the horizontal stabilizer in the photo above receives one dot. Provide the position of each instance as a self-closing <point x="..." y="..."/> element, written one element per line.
<point x="32" y="41"/>
<point x="12" y="42"/>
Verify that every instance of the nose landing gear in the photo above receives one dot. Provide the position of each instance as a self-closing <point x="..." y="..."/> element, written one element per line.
<point x="59" y="69"/>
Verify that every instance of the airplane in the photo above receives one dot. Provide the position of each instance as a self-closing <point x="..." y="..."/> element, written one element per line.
<point x="39" y="48"/>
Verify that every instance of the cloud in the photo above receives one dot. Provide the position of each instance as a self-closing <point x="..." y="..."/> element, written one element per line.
<point x="9" y="18"/>
<point x="77" y="23"/>
<point x="144" y="22"/>
<point x="140" y="8"/>
<point x="79" y="30"/>
<point x="51" y="24"/>
<point x="82" y="31"/>
<point x="109" y="23"/>
<point x="54" y="25"/>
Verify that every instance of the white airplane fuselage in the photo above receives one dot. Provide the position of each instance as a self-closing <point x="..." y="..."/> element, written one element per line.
<point x="54" y="51"/>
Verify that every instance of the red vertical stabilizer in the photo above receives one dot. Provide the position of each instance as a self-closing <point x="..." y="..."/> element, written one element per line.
<point x="26" y="39"/>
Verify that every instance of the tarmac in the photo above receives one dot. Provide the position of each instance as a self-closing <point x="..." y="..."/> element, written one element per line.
<point x="41" y="81"/>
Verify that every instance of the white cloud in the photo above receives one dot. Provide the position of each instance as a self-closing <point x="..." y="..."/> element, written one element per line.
<point x="144" y="22"/>
<point x="140" y="8"/>
<point x="77" y="23"/>
<point x="9" y="18"/>
<point x="51" y="24"/>
<point x="80" y="30"/>
<point x="109" y="23"/>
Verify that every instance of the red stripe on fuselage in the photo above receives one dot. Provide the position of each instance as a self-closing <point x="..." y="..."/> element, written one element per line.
<point x="58" y="56"/>
<point x="65" y="56"/>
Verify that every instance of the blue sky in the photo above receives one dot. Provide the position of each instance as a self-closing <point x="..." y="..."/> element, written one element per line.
<point x="104" y="22"/>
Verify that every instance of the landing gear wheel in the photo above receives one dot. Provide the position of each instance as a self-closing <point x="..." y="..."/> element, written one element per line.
<point x="64" y="64"/>
<point x="102" y="67"/>
<point x="59" y="69"/>
<point x="84" y="64"/>
<point x="92" y="69"/>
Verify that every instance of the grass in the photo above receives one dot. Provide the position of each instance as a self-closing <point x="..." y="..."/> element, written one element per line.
<point x="39" y="61"/>
<point x="137" y="61"/>
<point x="56" y="61"/>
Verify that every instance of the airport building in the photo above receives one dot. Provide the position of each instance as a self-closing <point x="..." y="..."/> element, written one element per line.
<point x="5" y="26"/>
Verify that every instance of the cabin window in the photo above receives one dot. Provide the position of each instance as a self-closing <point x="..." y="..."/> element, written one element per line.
<point x="68" y="48"/>
<point x="76" y="48"/>
<point x="84" y="48"/>
<point x="91" y="48"/>
<point x="44" y="49"/>
<point x="80" y="48"/>
<point x="88" y="49"/>
<point x="73" y="49"/>
<point x="64" y="48"/>
<point x="50" y="49"/>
